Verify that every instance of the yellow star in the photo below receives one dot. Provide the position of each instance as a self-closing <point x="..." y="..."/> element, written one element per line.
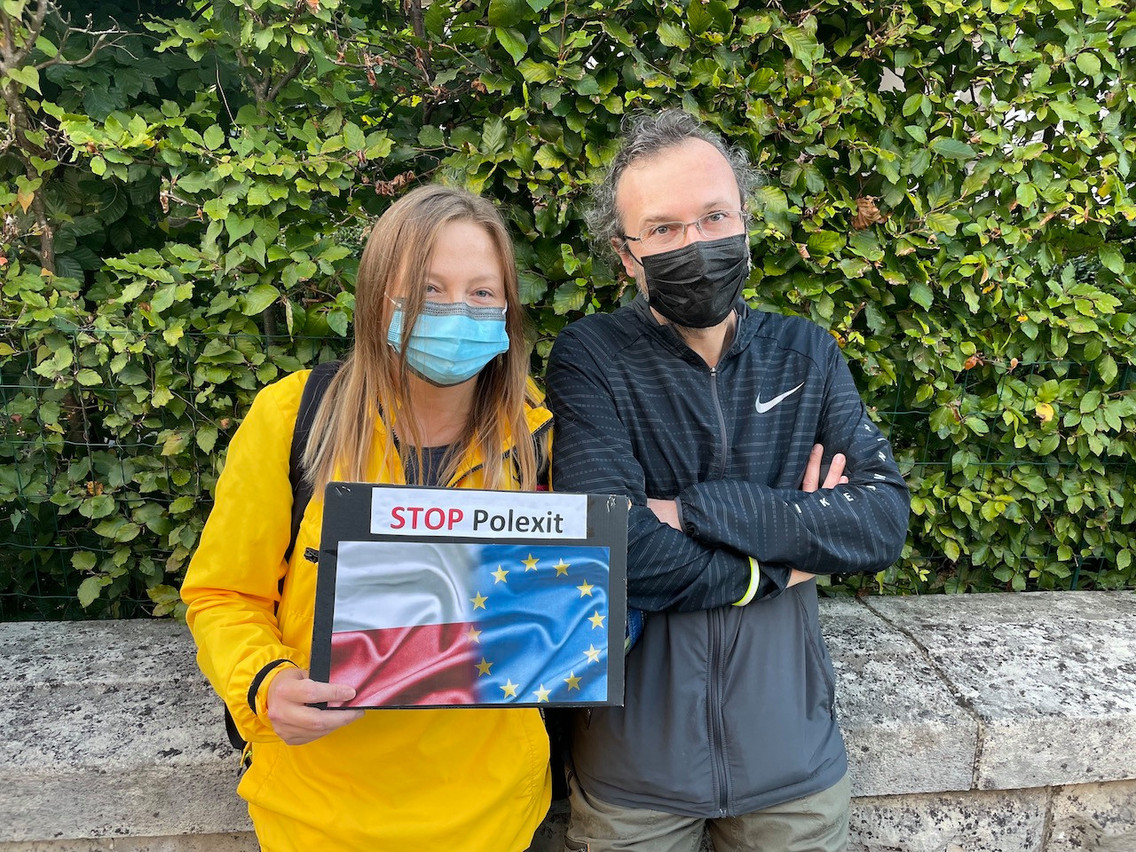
<point x="510" y="689"/>
<point x="572" y="681"/>
<point x="483" y="667"/>
<point x="597" y="620"/>
<point x="479" y="601"/>
<point x="542" y="694"/>
<point x="561" y="568"/>
<point x="586" y="589"/>
<point x="530" y="563"/>
<point x="473" y="635"/>
<point x="500" y="574"/>
<point x="593" y="654"/>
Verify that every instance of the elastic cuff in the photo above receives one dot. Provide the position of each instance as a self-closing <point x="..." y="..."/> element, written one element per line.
<point x="754" y="582"/>
<point x="254" y="687"/>
<point x="678" y="511"/>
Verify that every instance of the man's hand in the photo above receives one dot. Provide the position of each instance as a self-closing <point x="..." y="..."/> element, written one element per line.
<point x="293" y="721"/>
<point x="666" y="511"/>
<point x="812" y="482"/>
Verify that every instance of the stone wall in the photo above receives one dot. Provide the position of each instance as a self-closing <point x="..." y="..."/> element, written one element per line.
<point x="993" y="723"/>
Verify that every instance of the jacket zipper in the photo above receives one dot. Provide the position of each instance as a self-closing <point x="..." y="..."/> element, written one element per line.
<point x="537" y="432"/>
<point x="721" y="469"/>
<point x="716" y="713"/>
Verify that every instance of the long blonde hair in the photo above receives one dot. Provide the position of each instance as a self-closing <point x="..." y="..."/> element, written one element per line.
<point x="374" y="380"/>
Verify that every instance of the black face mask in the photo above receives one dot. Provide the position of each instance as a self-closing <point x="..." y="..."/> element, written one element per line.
<point x="696" y="286"/>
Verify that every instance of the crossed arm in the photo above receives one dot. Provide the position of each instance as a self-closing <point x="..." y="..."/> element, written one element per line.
<point x="697" y="550"/>
<point x="667" y="510"/>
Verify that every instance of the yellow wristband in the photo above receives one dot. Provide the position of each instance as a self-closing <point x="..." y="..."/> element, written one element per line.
<point x="754" y="580"/>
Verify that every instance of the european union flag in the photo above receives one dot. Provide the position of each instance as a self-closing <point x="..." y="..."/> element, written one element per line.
<point x="452" y="623"/>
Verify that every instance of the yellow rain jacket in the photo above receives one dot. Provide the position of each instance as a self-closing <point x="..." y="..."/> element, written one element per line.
<point x="468" y="779"/>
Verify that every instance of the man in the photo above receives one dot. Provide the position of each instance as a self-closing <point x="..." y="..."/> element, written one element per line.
<point x="710" y="417"/>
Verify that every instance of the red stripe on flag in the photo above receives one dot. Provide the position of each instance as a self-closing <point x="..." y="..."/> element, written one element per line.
<point x="405" y="666"/>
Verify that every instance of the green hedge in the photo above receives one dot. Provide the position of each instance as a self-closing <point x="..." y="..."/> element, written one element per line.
<point x="949" y="190"/>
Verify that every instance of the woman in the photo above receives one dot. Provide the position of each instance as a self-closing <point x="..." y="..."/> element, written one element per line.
<point x="445" y="404"/>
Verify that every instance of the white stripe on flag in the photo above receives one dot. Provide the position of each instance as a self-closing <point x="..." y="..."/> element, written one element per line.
<point x="382" y="584"/>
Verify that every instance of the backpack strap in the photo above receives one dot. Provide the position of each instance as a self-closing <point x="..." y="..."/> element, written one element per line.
<point x="314" y="390"/>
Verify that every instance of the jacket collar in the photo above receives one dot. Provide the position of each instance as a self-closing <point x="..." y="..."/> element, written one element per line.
<point x="749" y="321"/>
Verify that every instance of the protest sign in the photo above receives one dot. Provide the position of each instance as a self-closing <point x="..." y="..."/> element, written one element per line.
<point x="438" y="597"/>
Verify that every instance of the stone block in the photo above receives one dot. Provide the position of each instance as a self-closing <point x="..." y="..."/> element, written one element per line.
<point x="950" y="822"/>
<point x="1093" y="818"/>
<point x="115" y="733"/>
<point x="1050" y="676"/>
<point x="904" y="731"/>
<point x="244" y="842"/>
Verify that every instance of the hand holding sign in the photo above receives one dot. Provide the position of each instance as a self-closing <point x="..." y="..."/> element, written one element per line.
<point x="293" y="720"/>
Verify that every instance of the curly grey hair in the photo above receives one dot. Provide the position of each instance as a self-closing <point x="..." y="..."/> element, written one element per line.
<point x="646" y="135"/>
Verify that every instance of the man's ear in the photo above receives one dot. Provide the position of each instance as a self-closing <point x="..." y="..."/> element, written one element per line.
<point x="629" y="264"/>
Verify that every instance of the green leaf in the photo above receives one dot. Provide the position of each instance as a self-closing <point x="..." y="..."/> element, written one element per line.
<point x="431" y="136"/>
<point x="942" y="223"/>
<point x="771" y="204"/>
<point x="672" y="35"/>
<point x="435" y="19"/>
<point x="532" y="287"/>
<point x="1107" y="369"/>
<point x="698" y="18"/>
<point x="84" y="560"/>
<point x="493" y="135"/>
<point x="238" y="226"/>
<point x="921" y="294"/>
<point x="258" y="196"/>
<point x="258" y="299"/>
<point x="568" y="297"/>
<point x="1089" y="64"/>
<point x="182" y="505"/>
<point x="722" y="15"/>
<point x="825" y="242"/>
<point x="952" y="148"/>
<point x="337" y="321"/>
<point x="549" y="157"/>
<point x="27" y="75"/>
<point x="206" y="438"/>
<point x="801" y="44"/>
<point x="513" y="42"/>
<point x="89" y="590"/>
<point x="537" y="72"/>
<point x="214" y="137"/>
<point x="506" y="13"/>
<point x="1112" y="259"/>
<point x="353" y="137"/>
<point x="174" y="444"/>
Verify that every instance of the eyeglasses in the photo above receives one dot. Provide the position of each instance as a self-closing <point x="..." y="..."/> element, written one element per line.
<point x="668" y="235"/>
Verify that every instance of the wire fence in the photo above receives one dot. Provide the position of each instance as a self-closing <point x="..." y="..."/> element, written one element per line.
<point x="64" y="448"/>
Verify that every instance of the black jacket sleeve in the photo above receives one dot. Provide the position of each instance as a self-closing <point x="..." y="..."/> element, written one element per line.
<point x="592" y="453"/>
<point x="861" y="526"/>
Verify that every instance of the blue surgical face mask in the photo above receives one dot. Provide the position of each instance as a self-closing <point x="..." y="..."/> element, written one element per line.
<point x="451" y="341"/>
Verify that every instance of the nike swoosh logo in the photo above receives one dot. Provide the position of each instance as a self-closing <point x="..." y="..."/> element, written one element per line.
<point x="763" y="407"/>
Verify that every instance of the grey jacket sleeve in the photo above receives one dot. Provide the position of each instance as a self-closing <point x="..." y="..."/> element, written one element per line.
<point x="592" y="453"/>
<point x="861" y="526"/>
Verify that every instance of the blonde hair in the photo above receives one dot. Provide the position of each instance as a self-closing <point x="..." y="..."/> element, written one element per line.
<point x="374" y="379"/>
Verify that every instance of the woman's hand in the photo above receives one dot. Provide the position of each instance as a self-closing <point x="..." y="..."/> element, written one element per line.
<point x="293" y="721"/>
